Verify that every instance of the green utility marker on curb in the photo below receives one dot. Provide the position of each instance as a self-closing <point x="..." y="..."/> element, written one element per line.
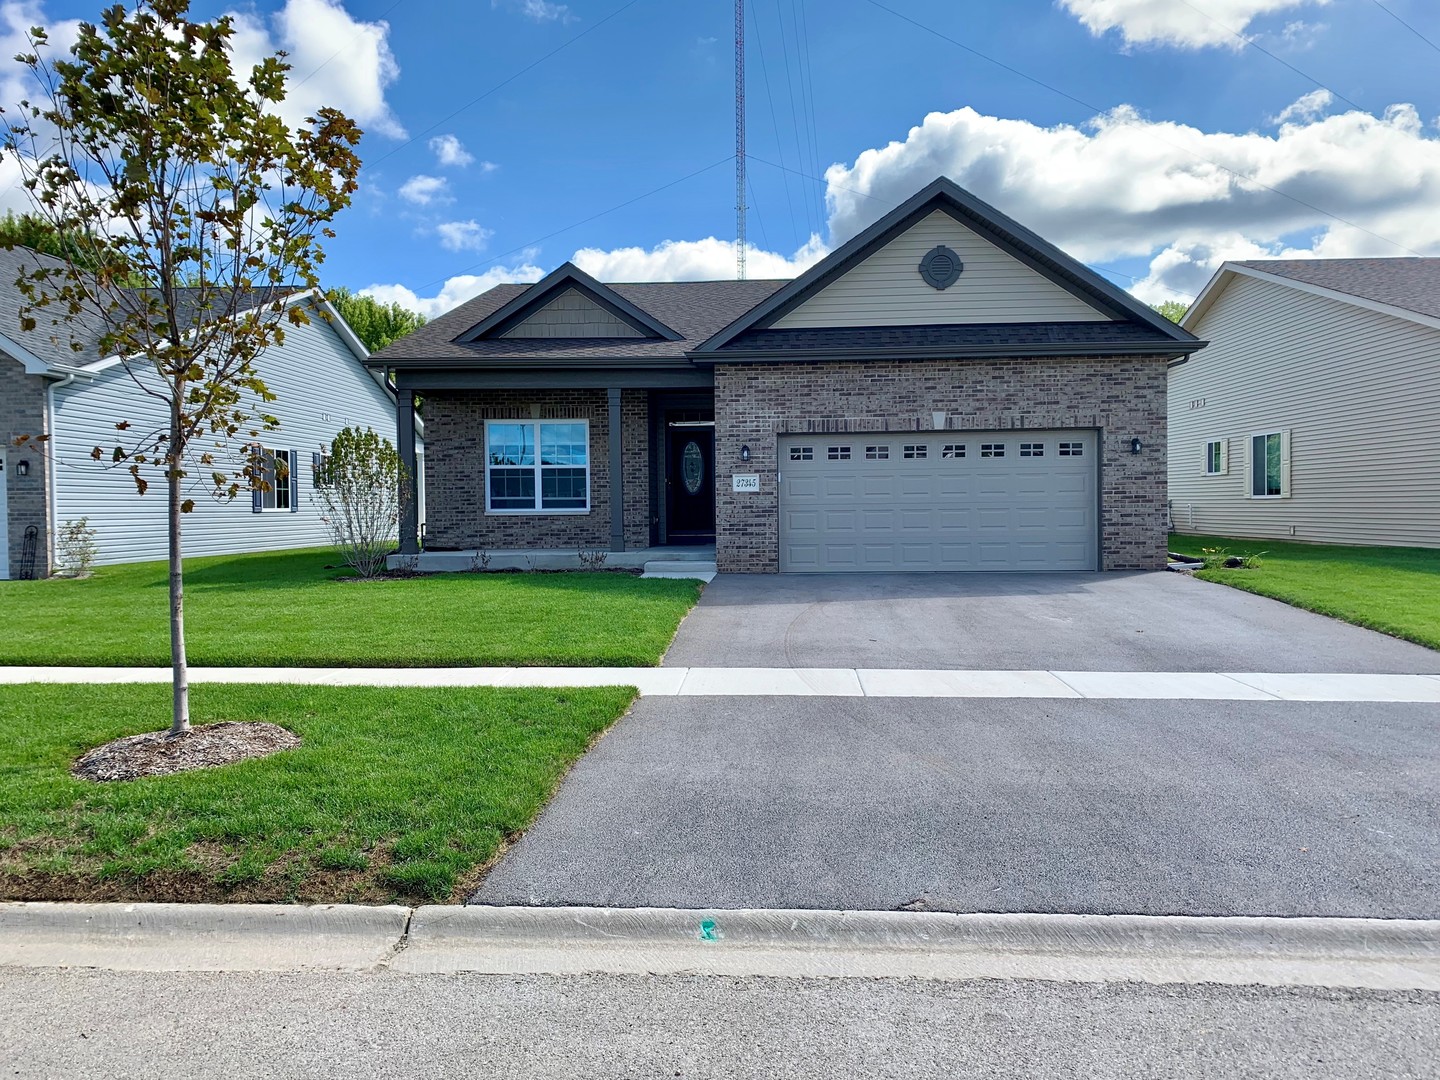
<point x="709" y="931"/>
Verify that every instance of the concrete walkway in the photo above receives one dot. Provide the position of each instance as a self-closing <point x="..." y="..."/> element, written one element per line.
<point x="815" y="682"/>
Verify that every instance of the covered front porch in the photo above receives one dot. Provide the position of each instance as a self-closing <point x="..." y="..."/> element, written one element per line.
<point x="669" y="561"/>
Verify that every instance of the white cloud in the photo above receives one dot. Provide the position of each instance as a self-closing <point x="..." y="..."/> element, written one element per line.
<point x="16" y="19"/>
<point x="1126" y="186"/>
<point x="334" y="59"/>
<point x="539" y="10"/>
<point x="693" y="260"/>
<point x="1307" y="107"/>
<point x="1176" y="22"/>
<point x="456" y="290"/>
<point x="450" y="151"/>
<point x="425" y="190"/>
<point x="463" y="235"/>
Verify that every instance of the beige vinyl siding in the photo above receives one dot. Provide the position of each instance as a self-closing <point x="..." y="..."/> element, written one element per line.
<point x="320" y="388"/>
<point x="1359" y="394"/>
<point x="572" y="314"/>
<point x="886" y="289"/>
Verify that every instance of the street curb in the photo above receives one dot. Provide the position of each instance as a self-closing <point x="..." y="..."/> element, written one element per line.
<point x="200" y="937"/>
<point x="1381" y="954"/>
<point x="1353" y="953"/>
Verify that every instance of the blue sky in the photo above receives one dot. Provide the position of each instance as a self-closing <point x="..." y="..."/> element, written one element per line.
<point x="1162" y="144"/>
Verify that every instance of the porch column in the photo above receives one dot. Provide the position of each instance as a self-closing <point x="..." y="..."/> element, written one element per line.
<point x="617" y="474"/>
<point x="409" y="503"/>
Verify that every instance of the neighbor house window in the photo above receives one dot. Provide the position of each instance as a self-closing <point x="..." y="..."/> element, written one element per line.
<point x="275" y="470"/>
<point x="537" y="466"/>
<point x="1267" y="465"/>
<point x="1215" y="462"/>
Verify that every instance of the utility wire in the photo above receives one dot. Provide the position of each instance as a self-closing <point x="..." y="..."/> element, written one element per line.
<point x="809" y="69"/>
<point x="774" y="119"/>
<point x="506" y="82"/>
<point x="1096" y="110"/>
<point x="583" y="221"/>
<point x="1405" y="24"/>
<point x="1279" y="60"/>
<point x="794" y="116"/>
<point x="340" y="50"/>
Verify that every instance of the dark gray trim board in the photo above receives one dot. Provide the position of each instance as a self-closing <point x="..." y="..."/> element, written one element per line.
<point x="543" y="379"/>
<point x="970" y="352"/>
<point x="1009" y="235"/>
<point x="568" y="276"/>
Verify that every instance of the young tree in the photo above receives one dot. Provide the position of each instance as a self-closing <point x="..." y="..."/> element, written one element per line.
<point x="374" y="323"/>
<point x="357" y="487"/>
<point x="206" y="195"/>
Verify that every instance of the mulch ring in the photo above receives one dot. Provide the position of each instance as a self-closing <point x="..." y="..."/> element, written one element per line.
<point x="157" y="754"/>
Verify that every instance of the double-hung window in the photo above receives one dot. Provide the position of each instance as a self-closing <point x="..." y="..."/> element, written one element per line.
<point x="537" y="466"/>
<point x="1268" y="454"/>
<point x="275" y="469"/>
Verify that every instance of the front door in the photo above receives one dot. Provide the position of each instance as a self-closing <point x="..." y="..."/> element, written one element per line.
<point x="690" y="484"/>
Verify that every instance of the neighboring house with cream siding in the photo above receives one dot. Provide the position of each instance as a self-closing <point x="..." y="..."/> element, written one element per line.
<point x="46" y="388"/>
<point x="1314" y="413"/>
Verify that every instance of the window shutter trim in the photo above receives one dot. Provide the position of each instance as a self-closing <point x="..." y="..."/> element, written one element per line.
<point x="1285" y="464"/>
<point x="294" y="482"/>
<point x="257" y="497"/>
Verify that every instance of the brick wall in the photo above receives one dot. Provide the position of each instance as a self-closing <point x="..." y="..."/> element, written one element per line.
<point x="1124" y="398"/>
<point x="456" y="518"/>
<point x="22" y="412"/>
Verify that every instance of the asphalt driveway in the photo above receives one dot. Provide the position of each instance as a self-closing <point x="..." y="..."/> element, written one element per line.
<point x="1054" y="622"/>
<point x="1150" y="807"/>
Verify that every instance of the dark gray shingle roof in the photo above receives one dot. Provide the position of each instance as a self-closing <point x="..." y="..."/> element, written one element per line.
<point x="1409" y="283"/>
<point x="693" y="309"/>
<point x="56" y="329"/>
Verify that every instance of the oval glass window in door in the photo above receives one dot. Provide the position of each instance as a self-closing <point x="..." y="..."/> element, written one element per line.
<point x="692" y="467"/>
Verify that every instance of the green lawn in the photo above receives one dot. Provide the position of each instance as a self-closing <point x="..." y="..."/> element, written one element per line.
<point x="393" y="794"/>
<point x="1393" y="590"/>
<point x="286" y="609"/>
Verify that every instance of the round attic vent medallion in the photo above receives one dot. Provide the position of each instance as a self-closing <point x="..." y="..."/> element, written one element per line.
<point x="941" y="267"/>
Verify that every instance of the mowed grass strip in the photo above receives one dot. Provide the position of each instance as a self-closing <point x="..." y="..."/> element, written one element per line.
<point x="1390" y="589"/>
<point x="394" y="794"/>
<point x="285" y="609"/>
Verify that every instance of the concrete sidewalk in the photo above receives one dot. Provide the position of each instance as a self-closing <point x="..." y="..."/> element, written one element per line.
<point x="1339" y="953"/>
<point x="813" y="682"/>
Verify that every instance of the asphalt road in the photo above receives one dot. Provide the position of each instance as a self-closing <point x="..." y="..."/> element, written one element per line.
<point x="1054" y="622"/>
<point x="1143" y="807"/>
<point x="155" y="1026"/>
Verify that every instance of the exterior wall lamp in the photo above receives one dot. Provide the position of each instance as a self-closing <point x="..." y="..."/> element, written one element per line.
<point x="1135" y="446"/>
<point x="22" y="468"/>
<point x="745" y="453"/>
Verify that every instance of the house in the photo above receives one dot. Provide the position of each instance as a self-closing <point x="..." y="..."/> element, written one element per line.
<point x="1315" y="412"/>
<point x="46" y="388"/>
<point x="946" y="391"/>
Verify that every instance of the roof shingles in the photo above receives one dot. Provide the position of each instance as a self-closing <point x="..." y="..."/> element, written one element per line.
<point x="1409" y="283"/>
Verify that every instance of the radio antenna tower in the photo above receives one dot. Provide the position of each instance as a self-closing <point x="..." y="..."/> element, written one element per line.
<point x="740" y="139"/>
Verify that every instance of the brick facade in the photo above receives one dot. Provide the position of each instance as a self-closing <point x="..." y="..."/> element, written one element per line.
<point x="22" y="412"/>
<point x="1124" y="398"/>
<point x="455" y="470"/>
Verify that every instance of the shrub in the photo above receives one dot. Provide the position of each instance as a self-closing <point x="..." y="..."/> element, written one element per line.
<point x="358" y="489"/>
<point x="75" y="546"/>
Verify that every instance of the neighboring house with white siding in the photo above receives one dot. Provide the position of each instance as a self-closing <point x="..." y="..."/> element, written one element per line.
<point x="1314" y="413"/>
<point x="320" y="384"/>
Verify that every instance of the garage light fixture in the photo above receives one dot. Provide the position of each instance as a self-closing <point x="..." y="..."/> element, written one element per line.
<point x="22" y="468"/>
<point x="1135" y="446"/>
<point x="745" y="453"/>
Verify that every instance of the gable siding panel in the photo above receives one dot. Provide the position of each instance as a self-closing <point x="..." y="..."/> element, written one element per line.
<point x="320" y="388"/>
<point x="886" y="289"/>
<point x="572" y="314"/>
<point x="1359" y="392"/>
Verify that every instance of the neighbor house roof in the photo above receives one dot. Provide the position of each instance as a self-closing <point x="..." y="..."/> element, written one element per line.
<point x="1408" y="287"/>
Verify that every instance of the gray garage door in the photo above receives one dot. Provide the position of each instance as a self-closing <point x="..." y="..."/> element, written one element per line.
<point x="947" y="500"/>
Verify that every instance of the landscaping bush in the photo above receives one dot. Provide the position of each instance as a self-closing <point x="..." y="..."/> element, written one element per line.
<point x="358" y="489"/>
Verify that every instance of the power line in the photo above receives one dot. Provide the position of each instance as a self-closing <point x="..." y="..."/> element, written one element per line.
<point x="740" y="179"/>
<point x="1405" y="24"/>
<point x="808" y="67"/>
<point x="1260" y="48"/>
<point x="774" y="119"/>
<point x="794" y="116"/>
<point x="340" y="50"/>
<point x="576" y="224"/>
<point x="1173" y="145"/>
<point x="506" y="82"/>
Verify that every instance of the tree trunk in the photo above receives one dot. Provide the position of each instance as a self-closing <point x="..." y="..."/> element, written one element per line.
<point x="180" y="672"/>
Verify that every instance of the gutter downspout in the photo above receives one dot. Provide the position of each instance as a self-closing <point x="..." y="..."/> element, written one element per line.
<point x="50" y="468"/>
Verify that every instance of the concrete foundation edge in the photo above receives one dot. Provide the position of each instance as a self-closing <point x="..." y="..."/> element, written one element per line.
<point x="1379" y="954"/>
